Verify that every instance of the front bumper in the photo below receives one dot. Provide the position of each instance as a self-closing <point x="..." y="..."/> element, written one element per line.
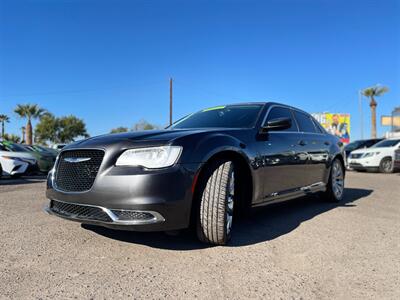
<point x="363" y="163"/>
<point x="360" y="167"/>
<point x="165" y="194"/>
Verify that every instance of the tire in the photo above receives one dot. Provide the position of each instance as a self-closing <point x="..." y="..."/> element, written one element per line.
<point x="1" y="171"/>
<point x="216" y="195"/>
<point x="335" y="187"/>
<point x="16" y="176"/>
<point x="386" y="165"/>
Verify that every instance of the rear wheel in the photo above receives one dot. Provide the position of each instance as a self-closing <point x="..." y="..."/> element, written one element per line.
<point x="1" y="171"/>
<point x="217" y="194"/>
<point x="335" y="187"/>
<point x="386" y="165"/>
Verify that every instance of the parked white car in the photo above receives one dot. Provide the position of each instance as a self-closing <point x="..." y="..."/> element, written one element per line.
<point x="379" y="157"/>
<point x="15" y="163"/>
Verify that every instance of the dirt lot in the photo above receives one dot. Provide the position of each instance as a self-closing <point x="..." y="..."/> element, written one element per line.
<point x="305" y="248"/>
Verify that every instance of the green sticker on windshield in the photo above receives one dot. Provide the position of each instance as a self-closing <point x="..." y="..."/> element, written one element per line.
<point x="214" y="108"/>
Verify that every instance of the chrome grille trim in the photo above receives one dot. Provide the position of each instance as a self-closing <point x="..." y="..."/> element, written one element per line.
<point x="99" y="214"/>
<point x="77" y="177"/>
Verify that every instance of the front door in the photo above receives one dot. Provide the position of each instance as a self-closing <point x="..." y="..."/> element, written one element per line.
<point x="280" y="158"/>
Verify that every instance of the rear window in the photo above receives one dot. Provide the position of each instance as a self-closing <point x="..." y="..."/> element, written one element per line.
<point x="305" y="122"/>
<point x="14" y="147"/>
<point x="318" y="126"/>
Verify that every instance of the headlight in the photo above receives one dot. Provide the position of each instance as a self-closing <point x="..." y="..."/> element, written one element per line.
<point x="22" y="159"/>
<point x="151" y="158"/>
<point x="369" y="154"/>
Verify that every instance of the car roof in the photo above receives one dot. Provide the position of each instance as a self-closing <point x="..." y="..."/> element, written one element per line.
<point x="265" y="103"/>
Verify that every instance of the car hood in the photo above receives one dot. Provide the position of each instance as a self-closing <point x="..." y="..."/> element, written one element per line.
<point x="368" y="150"/>
<point x="148" y="137"/>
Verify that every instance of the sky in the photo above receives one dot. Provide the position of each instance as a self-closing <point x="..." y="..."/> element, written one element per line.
<point x="109" y="62"/>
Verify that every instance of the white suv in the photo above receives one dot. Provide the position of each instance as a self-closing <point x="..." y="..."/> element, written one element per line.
<point x="379" y="157"/>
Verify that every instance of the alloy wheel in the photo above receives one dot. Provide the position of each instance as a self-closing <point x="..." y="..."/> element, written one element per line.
<point x="230" y="203"/>
<point x="337" y="179"/>
<point x="387" y="166"/>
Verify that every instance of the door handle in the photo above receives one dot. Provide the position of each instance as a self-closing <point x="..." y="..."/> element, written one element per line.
<point x="302" y="143"/>
<point x="327" y="143"/>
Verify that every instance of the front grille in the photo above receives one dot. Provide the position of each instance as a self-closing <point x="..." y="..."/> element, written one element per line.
<point x="79" y="211"/>
<point x="356" y="155"/>
<point x="128" y="215"/>
<point x="77" y="176"/>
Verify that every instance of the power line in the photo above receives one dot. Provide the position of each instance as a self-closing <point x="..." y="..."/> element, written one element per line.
<point x="66" y="92"/>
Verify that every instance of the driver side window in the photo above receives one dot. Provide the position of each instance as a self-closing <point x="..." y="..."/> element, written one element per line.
<point x="282" y="112"/>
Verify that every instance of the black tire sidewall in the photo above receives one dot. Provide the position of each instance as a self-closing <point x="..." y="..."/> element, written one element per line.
<point x="202" y="183"/>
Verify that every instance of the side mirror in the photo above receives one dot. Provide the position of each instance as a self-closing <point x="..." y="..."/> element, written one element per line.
<point x="277" y="124"/>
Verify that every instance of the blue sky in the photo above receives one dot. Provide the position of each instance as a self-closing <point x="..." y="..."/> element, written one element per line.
<point x="108" y="62"/>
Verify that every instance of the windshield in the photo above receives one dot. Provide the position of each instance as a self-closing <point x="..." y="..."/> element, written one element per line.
<point x="14" y="147"/>
<point x="231" y="116"/>
<point x="386" y="143"/>
<point x="354" y="145"/>
<point x="39" y="149"/>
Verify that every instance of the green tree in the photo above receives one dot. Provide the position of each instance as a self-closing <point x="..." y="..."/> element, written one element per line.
<point x="144" y="125"/>
<point x="119" y="130"/>
<point x="3" y="119"/>
<point x="30" y="112"/>
<point x="59" y="130"/>
<point x="70" y="127"/>
<point x="371" y="93"/>
<point x="46" y="129"/>
<point x="12" y="138"/>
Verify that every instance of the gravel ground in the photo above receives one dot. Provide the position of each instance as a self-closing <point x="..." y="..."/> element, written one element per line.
<point x="304" y="248"/>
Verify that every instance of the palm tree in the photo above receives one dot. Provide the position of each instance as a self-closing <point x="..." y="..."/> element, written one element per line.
<point x="23" y="133"/>
<point x="30" y="112"/>
<point x="3" y="119"/>
<point x="371" y="93"/>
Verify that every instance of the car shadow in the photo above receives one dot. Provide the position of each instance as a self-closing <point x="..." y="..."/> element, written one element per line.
<point x="22" y="180"/>
<point x="262" y="224"/>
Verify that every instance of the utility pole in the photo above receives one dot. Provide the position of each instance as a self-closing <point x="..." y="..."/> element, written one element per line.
<point x="170" y="101"/>
<point x="361" y="113"/>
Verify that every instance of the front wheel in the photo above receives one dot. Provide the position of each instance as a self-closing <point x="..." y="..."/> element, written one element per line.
<point x="335" y="187"/>
<point x="217" y="194"/>
<point x="386" y="165"/>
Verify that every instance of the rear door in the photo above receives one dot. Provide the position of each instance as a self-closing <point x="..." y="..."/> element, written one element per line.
<point x="315" y="145"/>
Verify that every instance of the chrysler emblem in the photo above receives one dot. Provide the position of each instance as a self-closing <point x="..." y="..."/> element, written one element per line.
<point x="76" y="159"/>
